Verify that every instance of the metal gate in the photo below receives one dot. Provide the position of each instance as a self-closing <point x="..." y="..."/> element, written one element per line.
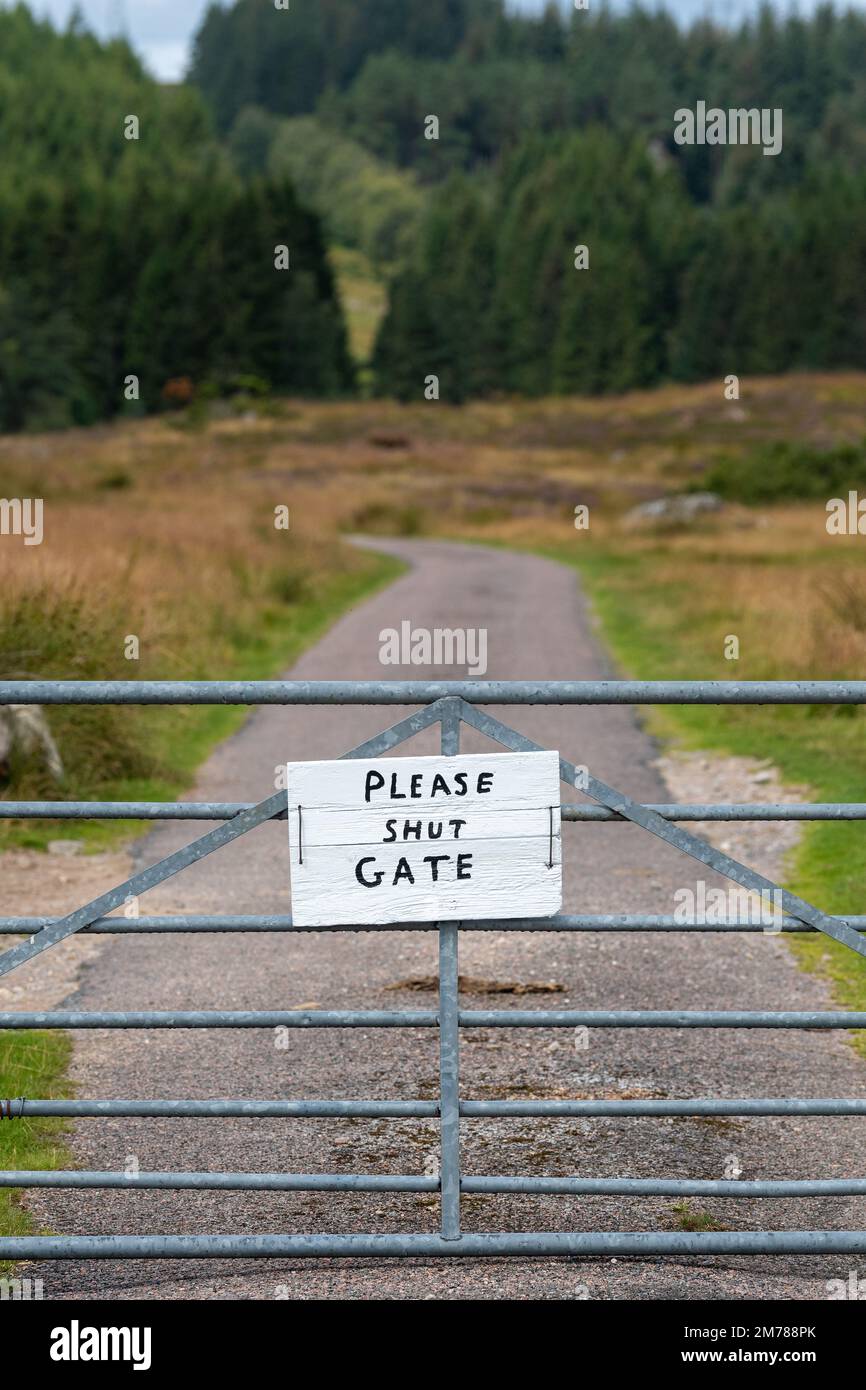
<point x="449" y="704"/>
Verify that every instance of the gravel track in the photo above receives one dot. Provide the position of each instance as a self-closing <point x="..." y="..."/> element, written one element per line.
<point x="538" y="627"/>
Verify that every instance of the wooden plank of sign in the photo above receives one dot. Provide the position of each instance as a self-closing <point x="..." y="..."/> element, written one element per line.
<point x="425" y="839"/>
<point x="412" y="826"/>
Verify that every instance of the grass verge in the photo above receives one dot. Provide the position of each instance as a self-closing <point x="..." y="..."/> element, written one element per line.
<point x="664" y="624"/>
<point x="30" y="1064"/>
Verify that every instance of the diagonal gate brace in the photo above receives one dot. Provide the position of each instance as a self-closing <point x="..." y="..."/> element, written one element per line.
<point x="683" y="840"/>
<point x="141" y="882"/>
<point x="269" y="809"/>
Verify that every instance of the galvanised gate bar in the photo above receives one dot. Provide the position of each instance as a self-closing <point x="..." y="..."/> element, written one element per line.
<point x="448" y="704"/>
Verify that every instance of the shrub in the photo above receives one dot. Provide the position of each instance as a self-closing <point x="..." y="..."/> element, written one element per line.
<point x="784" y="472"/>
<point x="73" y="634"/>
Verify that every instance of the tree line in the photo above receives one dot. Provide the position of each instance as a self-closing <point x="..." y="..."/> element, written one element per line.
<point x="373" y="70"/>
<point x="126" y="263"/>
<point x="556" y="130"/>
<point x="152" y="259"/>
<point x="570" y="278"/>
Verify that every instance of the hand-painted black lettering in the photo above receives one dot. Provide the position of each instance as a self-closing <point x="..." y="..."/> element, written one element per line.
<point x="403" y="871"/>
<point x="373" y="783"/>
<point x="365" y="882"/>
<point x="434" y="860"/>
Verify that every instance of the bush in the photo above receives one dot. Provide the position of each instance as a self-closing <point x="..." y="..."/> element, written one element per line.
<point x="784" y="472"/>
<point x="77" y="635"/>
<point x="388" y="519"/>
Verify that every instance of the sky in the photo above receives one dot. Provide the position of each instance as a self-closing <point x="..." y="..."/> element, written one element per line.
<point x="161" y="30"/>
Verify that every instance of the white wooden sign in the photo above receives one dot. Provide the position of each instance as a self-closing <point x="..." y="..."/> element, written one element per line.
<point x="425" y="839"/>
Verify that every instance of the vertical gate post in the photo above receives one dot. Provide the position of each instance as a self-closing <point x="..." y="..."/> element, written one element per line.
<point x="449" y="1035"/>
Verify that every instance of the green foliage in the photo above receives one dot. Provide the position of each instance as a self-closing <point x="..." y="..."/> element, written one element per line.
<point x="437" y="320"/>
<point x="146" y="257"/>
<point x="209" y="302"/>
<point x="492" y="300"/>
<point x="365" y="204"/>
<point x="705" y="259"/>
<point x="64" y="634"/>
<point x="781" y="472"/>
<point x="674" y="289"/>
<point x="31" y="1064"/>
<point x="290" y="57"/>
<point x="251" y="140"/>
<point x="374" y="69"/>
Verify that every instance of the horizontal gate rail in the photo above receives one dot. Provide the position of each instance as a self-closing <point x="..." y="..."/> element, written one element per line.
<point x="230" y="1018"/>
<point x="227" y="1182"/>
<point x="427" y="692"/>
<point x="619" y="1109"/>
<point x="227" y="810"/>
<point x="588" y="922"/>
<point x="374" y="1182"/>
<point x="428" y="1018"/>
<point x="656" y="1018"/>
<point x="669" y="1187"/>
<point x="24" y="1107"/>
<point x="521" y="1244"/>
<point x="448" y="704"/>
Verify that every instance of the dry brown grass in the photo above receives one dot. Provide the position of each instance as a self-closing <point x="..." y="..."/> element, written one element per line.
<point x="168" y="536"/>
<point x="185" y="542"/>
<point x="169" y="533"/>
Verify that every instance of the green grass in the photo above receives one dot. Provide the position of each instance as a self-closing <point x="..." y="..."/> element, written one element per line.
<point x="659" y="630"/>
<point x="691" y="1219"/>
<point x="31" y="1064"/>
